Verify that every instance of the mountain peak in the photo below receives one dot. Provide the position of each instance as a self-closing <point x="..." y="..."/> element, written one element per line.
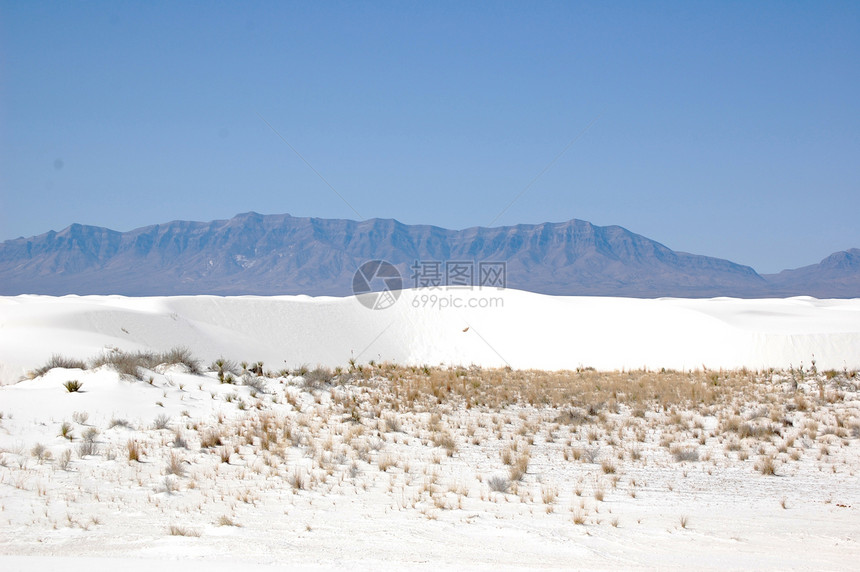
<point x="253" y="253"/>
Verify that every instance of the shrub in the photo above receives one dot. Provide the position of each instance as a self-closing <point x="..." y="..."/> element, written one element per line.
<point x="182" y="531"/>
<point x="258" y="384"/>
<point x="446" y="441"/>
<point x="161" y="422"/>
<point x="318" y="378"/>
<point x="684" y="453"/>
<point x="87" y="448"/>
<point x="225" y="520"/>
<point x="223" y="366"/>
<point x="211" y="439"/>
<point x="174" y="466"/>
<point x="40" y="452"/>
<point x="520" y="467"/>
<point x="498" y="484"/>
<point x="66" y="430"/>
<point x="591" y="454"/>
<point x="298" y="480"/>
<point x="64" y="460"/>
<point x="179" y="355"/>
<point x="129" y="364"/>
<point x="134" y="450"/>
<point x="767" y="465"/>
<point x="58" y="361"/>
<point x="73" y="386"/>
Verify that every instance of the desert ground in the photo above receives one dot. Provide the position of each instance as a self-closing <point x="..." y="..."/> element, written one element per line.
<point x="133" y="434"/>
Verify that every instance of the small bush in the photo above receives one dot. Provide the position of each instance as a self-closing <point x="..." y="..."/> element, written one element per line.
<point x="174" y="466"/>
<point x="40" y="452"/>
<point x="498" y="484"/>
<point x="66" y="430"/>
<point x="129" y="364"/>
<point x="161" y="422"/>
<point x="767" y="465"/>
<point x="223" y="366"/>
<point x="257" y="384"/>
<point x="64" y="460"/>
<point x="684" y="453"/>
<point x="298" y="480"/>
<point x="211" y="439"/>
<point x="134" y="450"/>
<point x="446" y="441"/>
<point x="73" y="385"/>
<point x="182" y="531"/>
<point x="87" y="449"/>
<point x="318" y="378"/>
<point x="179" y="355"/>
<point x="591" y="454"/>
<point x="58" y="361"/>
<point x="520" y="467"/>
<point x="225" y="520"/>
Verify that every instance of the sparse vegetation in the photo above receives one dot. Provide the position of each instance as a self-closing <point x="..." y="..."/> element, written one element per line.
<point x="73" y="385"/>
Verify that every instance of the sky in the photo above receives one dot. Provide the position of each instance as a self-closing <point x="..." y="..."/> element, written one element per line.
<point x="729" y="129"/>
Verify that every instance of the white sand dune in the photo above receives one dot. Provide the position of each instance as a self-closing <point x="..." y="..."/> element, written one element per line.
<point x="521" y="329"/>
<point x="381" y="492"/>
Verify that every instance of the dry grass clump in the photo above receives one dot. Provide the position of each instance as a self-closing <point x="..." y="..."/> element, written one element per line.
<point x="767" y="465"/>
<point x="682" y="453"/>
<point x="134" y="449"/>
<point x="58" y="361"/>
<point x="176" y="530"/>
<point x="130" y="364"/>
<point x="499" y="484"/>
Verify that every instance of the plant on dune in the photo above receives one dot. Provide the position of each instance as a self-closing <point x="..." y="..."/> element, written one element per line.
<point x="318" y="378"/>
<point x="73" y="385"/>
<point x="40" y="452"/>
<point x="129" y="364"/>
<point x="179" y="355"/>
<point x="767" y="465"/>
<point x="174" y="466"/>
<point x="498" y="484"/>
<point x="58" y="361"/>
<point x="520" y="467"/>
<point x="66" y="430"/>
<point x="134" y="449"/>
<point x="64" y="460"/>
<point x="225" y="520"/>
<point x="684" y="453"/>
<point x="225" y="369"/>
<point x="175" y="530"/>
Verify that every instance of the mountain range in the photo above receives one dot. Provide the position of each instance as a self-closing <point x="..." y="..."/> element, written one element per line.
<point x="280" y="254"/>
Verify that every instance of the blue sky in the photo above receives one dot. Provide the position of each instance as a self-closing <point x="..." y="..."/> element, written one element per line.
<point x="730" y="129"/>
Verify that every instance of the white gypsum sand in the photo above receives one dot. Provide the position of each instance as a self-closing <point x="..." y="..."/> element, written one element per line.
<point x="504" y="328"/>
<point x="390" y="466"/>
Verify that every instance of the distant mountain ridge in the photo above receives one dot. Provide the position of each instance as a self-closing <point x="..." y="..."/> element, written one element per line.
<point x="280" y="254"/>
